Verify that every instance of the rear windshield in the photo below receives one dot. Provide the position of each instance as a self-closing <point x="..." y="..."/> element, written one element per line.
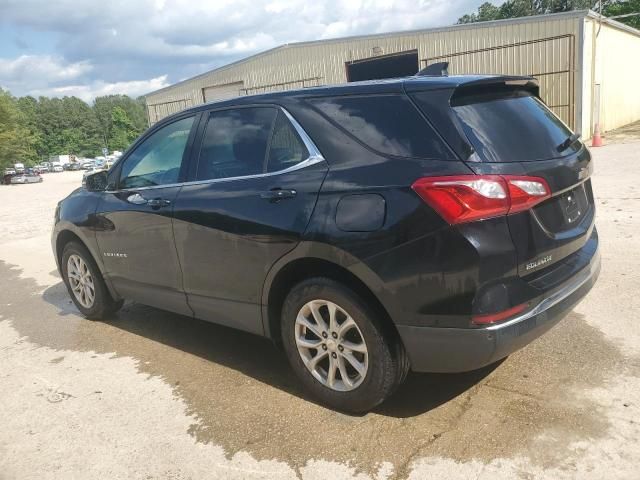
<point x="511" y="127"/>
<point x="389" y="124"/>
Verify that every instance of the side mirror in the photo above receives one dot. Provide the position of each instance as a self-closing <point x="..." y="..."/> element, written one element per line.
<point x="96" y="182"/>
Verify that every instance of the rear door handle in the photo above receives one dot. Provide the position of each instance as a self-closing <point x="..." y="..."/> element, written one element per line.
<point x="277" y="194"/>
<point x="158" y="203"/>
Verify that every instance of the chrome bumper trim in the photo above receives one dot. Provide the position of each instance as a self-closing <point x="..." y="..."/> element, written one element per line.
<point x="578" y="281"/>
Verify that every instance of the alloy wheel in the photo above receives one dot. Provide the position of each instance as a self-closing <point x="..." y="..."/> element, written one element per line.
<point x="81" y="281"/>
<point x="331" y="345"/>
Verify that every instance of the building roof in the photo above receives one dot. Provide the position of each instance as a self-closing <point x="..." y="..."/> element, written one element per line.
<point x="384" y="86"/>
<point x="464" y="26"/>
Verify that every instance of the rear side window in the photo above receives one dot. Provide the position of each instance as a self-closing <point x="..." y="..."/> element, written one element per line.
<point x="389" y="124"/>
<point x="286" y="149"/>
<point x="511" y="127"/>
<point x="235" y="143"/>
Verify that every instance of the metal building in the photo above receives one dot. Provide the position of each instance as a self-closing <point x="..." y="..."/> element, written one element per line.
<point x="587" y="65"/>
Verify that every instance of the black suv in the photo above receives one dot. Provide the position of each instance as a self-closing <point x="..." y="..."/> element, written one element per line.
<point x="429" y="223"/>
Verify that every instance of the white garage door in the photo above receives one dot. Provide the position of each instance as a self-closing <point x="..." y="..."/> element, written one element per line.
<point x="222" y="92"/>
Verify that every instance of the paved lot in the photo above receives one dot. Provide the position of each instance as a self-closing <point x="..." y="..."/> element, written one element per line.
<point x="155" y="395"/>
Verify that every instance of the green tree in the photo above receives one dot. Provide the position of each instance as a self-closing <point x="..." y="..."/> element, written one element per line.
<point x="32" y="130"/>
<point x="622" y="8"/>
<point x="16" y="144"/>
<point x="486" y="12"/>
<point x="123" y="131"/>
<point x="28" y="111"/>
<point x="104" y="107"/>
<point x="525" y="8"/>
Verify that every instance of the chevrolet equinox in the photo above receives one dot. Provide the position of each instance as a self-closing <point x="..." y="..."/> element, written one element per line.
<point x="433" y="224"/>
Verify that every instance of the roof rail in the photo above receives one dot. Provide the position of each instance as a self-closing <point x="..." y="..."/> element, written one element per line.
<point x="440" y="69"/>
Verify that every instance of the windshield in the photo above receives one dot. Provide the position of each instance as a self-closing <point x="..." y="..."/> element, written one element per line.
<point x="516" y="127"/>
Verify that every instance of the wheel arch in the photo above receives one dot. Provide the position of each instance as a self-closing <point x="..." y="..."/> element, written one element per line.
<point x="66" y="235"/>
<point x="302" y="267"/>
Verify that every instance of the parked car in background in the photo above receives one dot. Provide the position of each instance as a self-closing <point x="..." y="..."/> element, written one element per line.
<point x="26" y="178"/>
<point x="88" y="164"/>
<point x="6" y="178"/>
<point x="75" y="166"/>
<point x="10" y="171"/>
<point x="44" y="168"/>
<point x="341" y="223"/>
<point x="19" y="167"/>
<point x="58" y="168"/>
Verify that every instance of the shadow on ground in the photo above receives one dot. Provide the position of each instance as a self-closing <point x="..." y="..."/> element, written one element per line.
<point x="259" y="358"/>
<point x="243" y="396"/>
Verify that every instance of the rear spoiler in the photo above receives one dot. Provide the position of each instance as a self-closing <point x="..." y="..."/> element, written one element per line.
<point x="500" y="85"/>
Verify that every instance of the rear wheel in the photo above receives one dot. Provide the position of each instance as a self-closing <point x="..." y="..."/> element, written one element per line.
<point x="338" y="347"/>
<point x="85" y="283"/>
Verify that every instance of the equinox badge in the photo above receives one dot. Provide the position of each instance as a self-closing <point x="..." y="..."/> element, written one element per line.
<point x="538" y="263"/>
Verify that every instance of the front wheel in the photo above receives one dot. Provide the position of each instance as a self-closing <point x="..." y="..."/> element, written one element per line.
<point x="338" y="346"/>
<point x="85" y="283"/>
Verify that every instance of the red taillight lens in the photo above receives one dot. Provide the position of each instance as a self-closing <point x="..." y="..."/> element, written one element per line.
<point x="465" y="198"/>
<point x="525" y="192"/>
<point x="498" y="317"/>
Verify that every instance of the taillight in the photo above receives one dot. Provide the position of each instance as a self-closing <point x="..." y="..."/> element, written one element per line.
<point x="499" y="316"/>
<point x="465" y="198"/>
<point x="525" y="192"/>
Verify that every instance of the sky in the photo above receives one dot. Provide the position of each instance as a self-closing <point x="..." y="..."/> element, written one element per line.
<point x="100" y="47"/>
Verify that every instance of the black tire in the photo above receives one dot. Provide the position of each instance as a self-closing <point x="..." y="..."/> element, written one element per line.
<point x="387" y="361"/>
<point x="103" y="305"/>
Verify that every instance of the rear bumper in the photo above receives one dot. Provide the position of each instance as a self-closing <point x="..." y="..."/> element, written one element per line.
<point x="450" y="350"/>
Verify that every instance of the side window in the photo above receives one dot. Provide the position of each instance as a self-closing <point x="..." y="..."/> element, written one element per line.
<point x="286" y="149"/>
<point x="389" y="124"/>
<point x="157" y="160"/>
<point x="235" y="142"/>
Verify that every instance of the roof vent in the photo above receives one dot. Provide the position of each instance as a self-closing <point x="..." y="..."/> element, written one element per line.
<point x="435" y="70"/>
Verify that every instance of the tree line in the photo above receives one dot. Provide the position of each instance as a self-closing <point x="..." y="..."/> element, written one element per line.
<point x="525" y="8"/>
<point x="32" y="130"/>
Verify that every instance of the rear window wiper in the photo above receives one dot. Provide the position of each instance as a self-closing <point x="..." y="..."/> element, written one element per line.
<point x="571" y="139"/>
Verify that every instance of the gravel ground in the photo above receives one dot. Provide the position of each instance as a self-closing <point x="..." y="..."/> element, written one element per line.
<point x="151" y="394"/>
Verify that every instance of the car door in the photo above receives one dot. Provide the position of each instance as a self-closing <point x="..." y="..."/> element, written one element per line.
<point x="255" y="186"/>
<point x="135" y="233"/>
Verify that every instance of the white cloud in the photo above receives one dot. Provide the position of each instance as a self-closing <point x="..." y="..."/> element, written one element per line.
<point x="88" y="92"/>
<point x="44" y="67"/>
<point x="118" y="41"/>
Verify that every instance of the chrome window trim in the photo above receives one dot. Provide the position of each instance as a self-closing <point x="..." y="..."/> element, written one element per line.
<point x="306" y="139"/>
<point x="314" y="157"/>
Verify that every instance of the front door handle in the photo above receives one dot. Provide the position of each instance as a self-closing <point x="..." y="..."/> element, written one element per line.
<point x="138" y="199"/>
<point x="277" y="194"/>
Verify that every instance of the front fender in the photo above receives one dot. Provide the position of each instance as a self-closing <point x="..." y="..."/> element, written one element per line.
<point x="75" y="217"/>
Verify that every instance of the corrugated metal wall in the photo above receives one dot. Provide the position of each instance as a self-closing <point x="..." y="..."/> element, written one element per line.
<point x="317" y="63"/>
<point x="612" y="68"/>
<point x="551" y="60"/>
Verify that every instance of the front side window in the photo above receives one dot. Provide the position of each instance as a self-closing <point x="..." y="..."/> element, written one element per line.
<point x="157" y="160"/>
<point x="235" y="143"/>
